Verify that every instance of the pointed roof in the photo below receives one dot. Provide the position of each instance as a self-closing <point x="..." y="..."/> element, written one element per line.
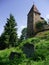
<point x="34" y="9"/>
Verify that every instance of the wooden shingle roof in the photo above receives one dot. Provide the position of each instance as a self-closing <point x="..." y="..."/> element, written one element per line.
<point x="34" y="9"/>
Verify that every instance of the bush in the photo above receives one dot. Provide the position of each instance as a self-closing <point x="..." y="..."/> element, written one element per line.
<point x="39" y="25"/>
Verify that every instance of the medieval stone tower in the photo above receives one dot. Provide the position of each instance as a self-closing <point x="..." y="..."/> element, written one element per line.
<point x="33" y="17"/>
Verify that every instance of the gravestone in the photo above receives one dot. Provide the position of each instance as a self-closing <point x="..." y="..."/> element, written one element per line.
<point x="14" y="55"/>
<point x="28" y="49"/>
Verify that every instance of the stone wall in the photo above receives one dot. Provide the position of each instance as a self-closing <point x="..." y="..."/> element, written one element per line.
<point x="32" y="18"/>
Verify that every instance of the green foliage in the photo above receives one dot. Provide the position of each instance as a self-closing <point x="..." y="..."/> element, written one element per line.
<point x="45" y="22"/>
<point x="2" y="41"/>
<point x="9" y="37"/>
<point x="40" y="57"/>
<point x="23" y="35"/>
<point x="39" y="25"/>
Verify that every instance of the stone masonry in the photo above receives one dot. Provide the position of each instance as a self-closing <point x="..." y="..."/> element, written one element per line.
<point x="33" y="17"/>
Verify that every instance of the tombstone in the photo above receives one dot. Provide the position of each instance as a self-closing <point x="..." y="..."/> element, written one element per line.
<point x="14" y="55"/>
<point x="28" y="49"/>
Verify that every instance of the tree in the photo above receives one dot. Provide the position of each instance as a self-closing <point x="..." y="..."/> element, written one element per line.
<point x="2" y="45"/>
<point x="40" y="24"/>
<point x="24" y="33"/>
<point x="10" y="32"/>
<point x="45" y="22"/>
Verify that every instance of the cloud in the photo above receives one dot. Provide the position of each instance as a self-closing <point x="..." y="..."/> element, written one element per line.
<point x="47" y="16"/>
<point x="20" y="29"/>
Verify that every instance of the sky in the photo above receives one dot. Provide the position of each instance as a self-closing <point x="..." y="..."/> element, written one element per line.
<point x="19" y="9"/>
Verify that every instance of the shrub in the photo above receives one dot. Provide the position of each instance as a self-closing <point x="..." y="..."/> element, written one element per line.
<point x="39" y="25"/>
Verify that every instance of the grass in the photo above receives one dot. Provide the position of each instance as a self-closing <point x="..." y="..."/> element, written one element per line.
<point x="41" y="43"/>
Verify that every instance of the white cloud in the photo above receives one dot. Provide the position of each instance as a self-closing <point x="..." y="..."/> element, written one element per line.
<point x="47" y="17"/>
<point x="20" y="29"/>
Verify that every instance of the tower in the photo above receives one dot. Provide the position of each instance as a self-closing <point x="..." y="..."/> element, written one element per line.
<point x="32" y="17"/>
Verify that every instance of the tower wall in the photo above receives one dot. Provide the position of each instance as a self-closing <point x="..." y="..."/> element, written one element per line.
<point x="32" y="18"/>
<point x="30" y="25"/>
<point x="36" y="18"/>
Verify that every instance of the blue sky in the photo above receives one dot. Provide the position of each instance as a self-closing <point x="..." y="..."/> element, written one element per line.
<point x="20" y="9"/>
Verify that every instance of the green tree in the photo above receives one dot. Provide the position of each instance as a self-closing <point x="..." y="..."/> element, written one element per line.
<point x="2" y="44"/>
<point x="10" y="32"/>
<point x="39" y="25"/>
<point x="23" y="34"/>
<point x="45" y="22"/>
